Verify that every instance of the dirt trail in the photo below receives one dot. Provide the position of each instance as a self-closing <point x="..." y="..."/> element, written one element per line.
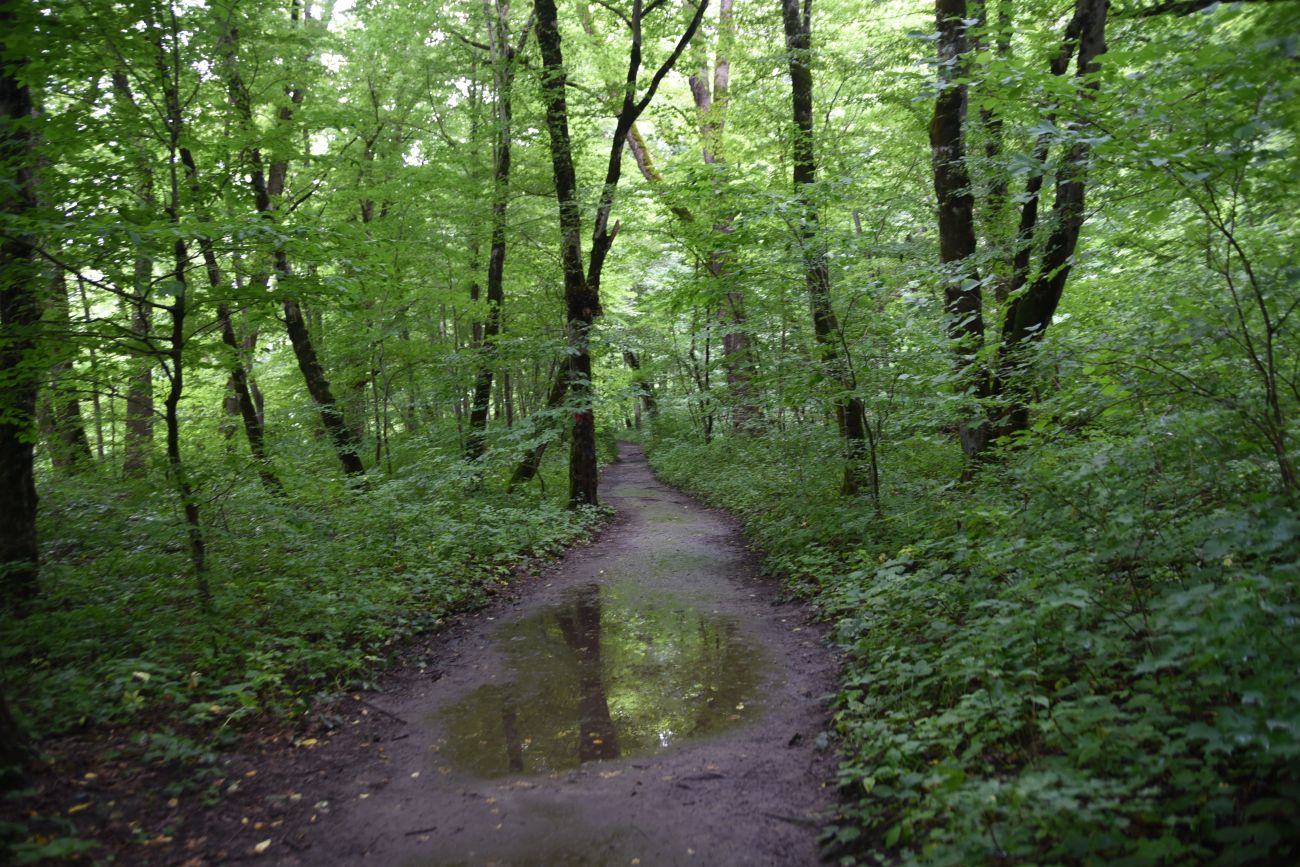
<point x="645" y="701"/>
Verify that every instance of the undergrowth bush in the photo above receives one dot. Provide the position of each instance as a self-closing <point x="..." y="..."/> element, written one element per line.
<point x="1084" y="655"/>
<point x="309" y="592"/>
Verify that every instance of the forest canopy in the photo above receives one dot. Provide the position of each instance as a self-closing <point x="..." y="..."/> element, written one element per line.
<point x="319" y="320"/>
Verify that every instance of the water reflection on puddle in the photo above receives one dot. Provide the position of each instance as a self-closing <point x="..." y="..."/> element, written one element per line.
<point x="606" y="674"/>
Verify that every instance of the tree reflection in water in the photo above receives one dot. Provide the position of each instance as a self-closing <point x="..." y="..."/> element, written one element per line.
<point x="609" y="672"/>
<point x="580" y="623"/>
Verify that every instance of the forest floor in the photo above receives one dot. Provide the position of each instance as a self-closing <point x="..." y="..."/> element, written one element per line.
<point x="648" y="699"/>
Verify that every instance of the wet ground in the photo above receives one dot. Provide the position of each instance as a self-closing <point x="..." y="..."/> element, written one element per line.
<point x="646" y="701"/>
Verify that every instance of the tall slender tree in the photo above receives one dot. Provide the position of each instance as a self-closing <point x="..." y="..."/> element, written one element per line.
<point x="850" y="413"/>
<point x="582" y="288"/>
<point x="169" y="69"/>
<point x="962" y="300"/>
<point x="138" y="431"/>
<point x="1032" y="293"/>
<point x="268" y="185"/>
<point x="60" y="410"/>
<point x="504" y="59"/>
<point x="20" y="314"/>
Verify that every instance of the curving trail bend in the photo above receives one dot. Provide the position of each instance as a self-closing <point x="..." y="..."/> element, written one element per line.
<point x="647" y="701"/>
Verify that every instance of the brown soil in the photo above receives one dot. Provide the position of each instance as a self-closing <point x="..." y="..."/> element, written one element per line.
<point x="391" y="783"/>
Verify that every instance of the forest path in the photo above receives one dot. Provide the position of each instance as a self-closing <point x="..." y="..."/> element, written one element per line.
<point x="644" y="701"/>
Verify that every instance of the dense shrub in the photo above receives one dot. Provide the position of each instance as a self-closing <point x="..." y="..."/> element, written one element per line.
<point x="1084" y="655"/>
<point x="309" y="592"/>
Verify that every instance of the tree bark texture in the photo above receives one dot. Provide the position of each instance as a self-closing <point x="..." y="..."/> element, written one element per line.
<point x="850" y="413"/>
<point x="1030" y="313"/>
<point x="582" y="302"/>
<point x="963" y="304"/>
<point x="503" y="60"/>
<point x="582" y="290"/>
<point x="66" y="429"/>
<point x="139" y="390"/>
<point x="268" y="185"/>
<point x="1031" y="303"/>
<point x="169" y="71"/>
<point x="20" y="314"/>
<point x="239" y="380"/>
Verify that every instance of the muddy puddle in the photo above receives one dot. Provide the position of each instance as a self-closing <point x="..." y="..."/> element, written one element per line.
<point x="646" y="700"/>
<point x="611" y="671"/>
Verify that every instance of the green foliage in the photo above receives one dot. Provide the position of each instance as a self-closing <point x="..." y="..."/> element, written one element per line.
<point x="1076" y="652"/>
<point x="311" y="594"/>
<point x="1069" y="660"/>
<point x="52" y="849"/>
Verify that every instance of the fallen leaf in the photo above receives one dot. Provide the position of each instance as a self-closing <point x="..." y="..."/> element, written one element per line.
<point x="85" y="805"/>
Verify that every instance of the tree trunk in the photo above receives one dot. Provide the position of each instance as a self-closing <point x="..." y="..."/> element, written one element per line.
<point x="711" y="109"/>
<point x="582" y="291"/>
<point x="239" y="381"/>
<point x="247" y="405"/>
<point x="645" y="386"/>
<point x="508" y="397"/>
<point x="850" y="413"/>
<point x="503" y="58"/>
<point x="180" y="477"/>
<point x="20" y="314"/>
<point x="346" y="444"/>
<point x="582" y="304"/>
<point x="96" y="409"/>
<point x="1029" y="315"/>
<point x="138" y="439"/>
<point x="963" y="304"/>
<point x="267" y="187"/>
<point x="169" y="71"/>
<point x="61" y="413"/>
<point x="532" y="462"/>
